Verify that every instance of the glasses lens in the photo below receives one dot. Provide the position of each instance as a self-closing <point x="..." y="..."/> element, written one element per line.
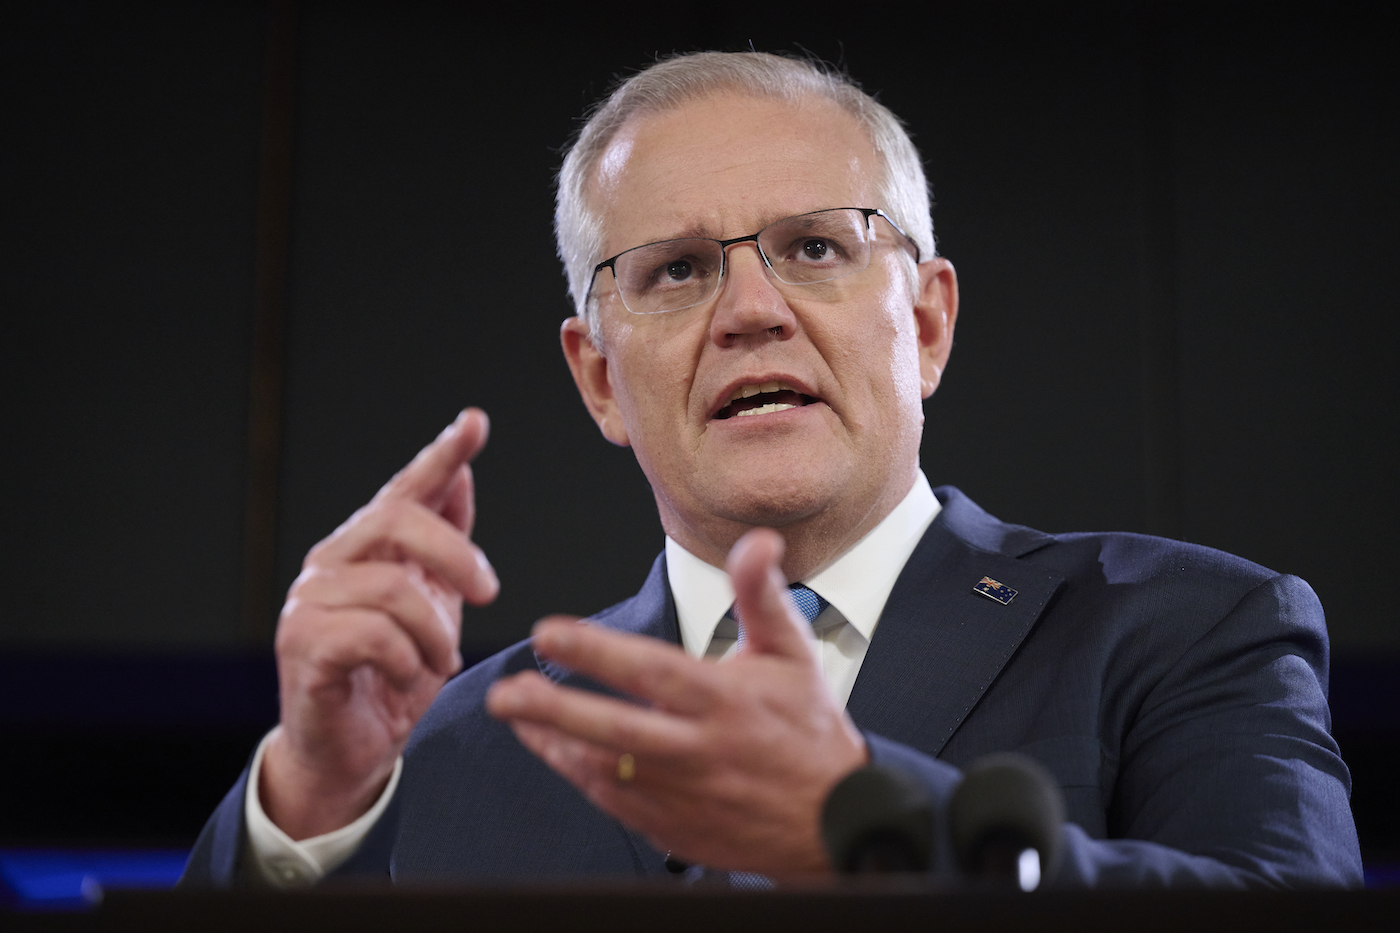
<point x="668" y="276"/>
<point x="817" y="247"/>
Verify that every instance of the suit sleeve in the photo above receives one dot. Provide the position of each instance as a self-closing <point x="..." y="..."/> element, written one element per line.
<point x="1229" y="776"/>
<point x="221" y="855"/>
<point x="215" y="859"/>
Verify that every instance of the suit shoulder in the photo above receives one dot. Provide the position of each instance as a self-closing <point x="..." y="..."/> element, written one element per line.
<point x="1120" y="578"/>
<point x="1128" y="557"/>
<point x="1164" y="596"/>
<point x="1115" y="557"/>
<point x="461" y="703"/>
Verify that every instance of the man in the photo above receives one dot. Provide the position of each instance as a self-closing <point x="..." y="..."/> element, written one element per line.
<point x="760" y="315"/>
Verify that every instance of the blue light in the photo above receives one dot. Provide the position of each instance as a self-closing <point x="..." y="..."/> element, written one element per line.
<point x="72" y="879"/>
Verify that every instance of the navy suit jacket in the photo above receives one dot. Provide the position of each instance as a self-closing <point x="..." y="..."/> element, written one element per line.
<point x="1177" y="694"/>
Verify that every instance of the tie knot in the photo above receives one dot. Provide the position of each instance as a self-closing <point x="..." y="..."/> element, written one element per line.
<point x="808" y="602"/>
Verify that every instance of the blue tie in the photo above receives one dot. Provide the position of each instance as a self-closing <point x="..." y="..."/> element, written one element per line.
<point x="808" y="603"/>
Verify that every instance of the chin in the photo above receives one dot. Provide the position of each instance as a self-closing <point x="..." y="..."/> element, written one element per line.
<point x="776" y="504"/>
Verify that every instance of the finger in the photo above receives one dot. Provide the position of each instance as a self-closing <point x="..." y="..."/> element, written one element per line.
<point x="399" y="591"/>
<point x="578" y="762"/>
<point x="335" y="642"/>
<point x="652" y="803"/>
<point x="403" y="530"/>
<point x="429" y="475"/>
<point x="593" y="770"/>
<point x="591" y="717"/>
<point x="772" y="624"/>
<point x="643" y="667"/>
<point x="459" y="501"/>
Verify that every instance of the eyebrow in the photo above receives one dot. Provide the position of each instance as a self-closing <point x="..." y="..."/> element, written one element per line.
<point x="700" y="231"/>
<point x="693" y="231"/>
<point x="696" y="230"/>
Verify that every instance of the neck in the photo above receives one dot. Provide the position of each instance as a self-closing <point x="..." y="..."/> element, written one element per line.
<point x="812" y="541"/>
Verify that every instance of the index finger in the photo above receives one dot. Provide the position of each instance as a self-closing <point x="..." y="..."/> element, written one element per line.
<point x="639" y="666"/>
<point x="430" y="475"/>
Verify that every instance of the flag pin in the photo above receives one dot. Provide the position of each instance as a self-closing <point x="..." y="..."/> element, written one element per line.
<point x="993" y="589"/>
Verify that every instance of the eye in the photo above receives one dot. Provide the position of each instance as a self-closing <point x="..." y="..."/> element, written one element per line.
<point x="815" y="249"/>
<point x="668" y="275"/>
<point x="664" y="267"/>
<point x="676" y="271"/>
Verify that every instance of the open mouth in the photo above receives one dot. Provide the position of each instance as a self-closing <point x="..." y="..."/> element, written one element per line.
<point x="762" y="398"/>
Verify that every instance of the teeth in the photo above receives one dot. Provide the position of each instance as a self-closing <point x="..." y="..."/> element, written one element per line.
<point x="766" y="409"/>
<point x="756" y="389"/>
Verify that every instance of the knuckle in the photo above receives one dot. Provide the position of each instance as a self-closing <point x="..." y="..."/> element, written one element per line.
<point x="384" y="519"/>
<point x="314" y="556"/>
<point x="295" y="627"/>
<point x="539" y="697"/>
<point x="622" y="733"/>
<point x="283" y="643"/>
<point x="381" y="645"/>
<point x="390" y="585"/>
<point x="313" y="576"/>
<point x="380" y="520"/>
<point x="296" y="613"/>
<point x="651" y="681"/>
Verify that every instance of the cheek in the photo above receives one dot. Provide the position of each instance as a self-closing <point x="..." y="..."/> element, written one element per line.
<point x="897" y="346"/>
<point x="651" y="372"/>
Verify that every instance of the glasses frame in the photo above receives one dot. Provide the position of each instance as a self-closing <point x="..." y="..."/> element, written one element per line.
<point x="724" y="245"/>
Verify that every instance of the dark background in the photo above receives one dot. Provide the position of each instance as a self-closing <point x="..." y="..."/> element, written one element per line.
<point x="1174" y="224"/>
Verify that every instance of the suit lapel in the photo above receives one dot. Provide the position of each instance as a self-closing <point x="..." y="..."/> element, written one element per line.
<point x="940" y="644"/>
<point x="651" y="612"/>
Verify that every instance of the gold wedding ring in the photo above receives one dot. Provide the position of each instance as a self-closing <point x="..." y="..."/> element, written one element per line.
<point x="626" y="768"/>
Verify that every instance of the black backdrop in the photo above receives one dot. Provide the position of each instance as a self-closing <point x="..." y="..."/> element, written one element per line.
<point x="1174" y="224"/>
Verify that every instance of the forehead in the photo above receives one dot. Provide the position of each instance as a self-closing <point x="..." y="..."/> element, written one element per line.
<point x="726" y="165"/>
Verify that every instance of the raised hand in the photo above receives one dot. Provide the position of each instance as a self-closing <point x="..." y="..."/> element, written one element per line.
<point x="729" y="763"/>
<point x="369" y="634"/>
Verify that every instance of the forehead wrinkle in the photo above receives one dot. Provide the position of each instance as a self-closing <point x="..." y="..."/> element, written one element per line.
<point x="640" y="175"/>
<point x="724" y="221"/>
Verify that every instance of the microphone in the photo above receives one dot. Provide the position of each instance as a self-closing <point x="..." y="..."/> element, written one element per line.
<point x="877" y="820"/>
<point x="1004" y="820"/>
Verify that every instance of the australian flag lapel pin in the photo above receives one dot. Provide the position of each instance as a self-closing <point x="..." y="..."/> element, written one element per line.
<point x="993" y="589"/>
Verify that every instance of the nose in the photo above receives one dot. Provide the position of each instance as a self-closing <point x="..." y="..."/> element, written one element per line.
<point x="749" y="306"/>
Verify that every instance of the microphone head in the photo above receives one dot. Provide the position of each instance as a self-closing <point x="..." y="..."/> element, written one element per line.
<point x="1006" y="804"/>
<point x="878" y="820"/>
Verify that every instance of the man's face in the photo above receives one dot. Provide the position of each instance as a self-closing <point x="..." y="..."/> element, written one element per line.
<point x="857" y="359"/>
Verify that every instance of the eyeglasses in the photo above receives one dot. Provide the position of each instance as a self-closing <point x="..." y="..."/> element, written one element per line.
<point x="808" y="249"/>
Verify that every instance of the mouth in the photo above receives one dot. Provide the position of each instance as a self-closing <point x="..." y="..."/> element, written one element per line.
<point x="762" y="398"/>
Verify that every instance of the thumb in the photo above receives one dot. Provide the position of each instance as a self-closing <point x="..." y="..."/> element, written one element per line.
<point x="772" y="624"/>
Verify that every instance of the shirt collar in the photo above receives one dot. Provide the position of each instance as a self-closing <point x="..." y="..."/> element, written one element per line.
<point x="857" y="583"/>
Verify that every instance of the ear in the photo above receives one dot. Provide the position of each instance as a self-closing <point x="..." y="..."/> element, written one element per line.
<point x="594" y="381"/>
<point x="935" y="313"/>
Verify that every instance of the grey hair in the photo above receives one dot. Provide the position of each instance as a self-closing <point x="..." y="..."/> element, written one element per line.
<point x="675" y="81"/>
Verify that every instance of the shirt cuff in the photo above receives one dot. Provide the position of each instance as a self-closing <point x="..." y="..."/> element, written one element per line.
<point x="282" y="862"/>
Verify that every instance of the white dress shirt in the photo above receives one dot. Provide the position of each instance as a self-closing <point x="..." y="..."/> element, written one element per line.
<point x="281" y="861"/>
<point x="856" y="586"/>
